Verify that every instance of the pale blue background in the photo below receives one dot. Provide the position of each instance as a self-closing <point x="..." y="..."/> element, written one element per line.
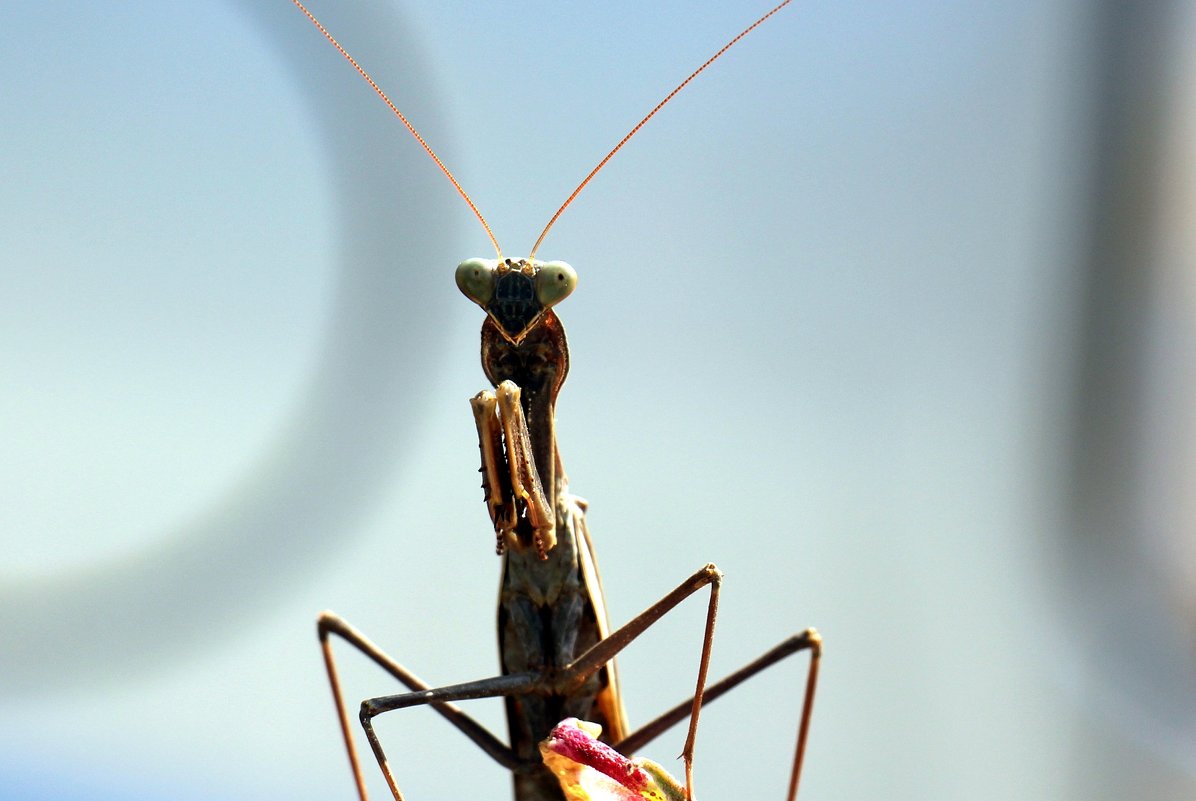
<point x="823" y="338"/>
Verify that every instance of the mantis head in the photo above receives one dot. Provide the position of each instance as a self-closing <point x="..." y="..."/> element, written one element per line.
<point x="515" y="293"/>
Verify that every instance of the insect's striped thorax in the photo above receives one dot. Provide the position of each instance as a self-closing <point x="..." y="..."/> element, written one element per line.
<point x="550" y="611"/>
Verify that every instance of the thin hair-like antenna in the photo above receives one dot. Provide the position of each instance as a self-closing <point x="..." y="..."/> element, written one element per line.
<point x="403" y="119"/>
<point x="641" y="123"/>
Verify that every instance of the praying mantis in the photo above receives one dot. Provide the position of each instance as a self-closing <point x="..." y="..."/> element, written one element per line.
<point x="556" y="647"/>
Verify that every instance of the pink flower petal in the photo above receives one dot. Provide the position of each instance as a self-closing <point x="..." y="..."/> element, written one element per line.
<point x="590" y="770"/>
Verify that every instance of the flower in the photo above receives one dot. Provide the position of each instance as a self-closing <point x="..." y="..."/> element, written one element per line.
<point x="589" y="770"/>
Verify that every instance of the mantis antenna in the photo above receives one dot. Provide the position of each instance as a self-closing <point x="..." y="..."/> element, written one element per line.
<point x="569" y="200"/>
<point x="378" y="90"/>
<point x="642" y="122"/>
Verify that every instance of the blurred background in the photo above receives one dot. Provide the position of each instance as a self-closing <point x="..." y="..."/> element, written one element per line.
<point x="891" y="315"/>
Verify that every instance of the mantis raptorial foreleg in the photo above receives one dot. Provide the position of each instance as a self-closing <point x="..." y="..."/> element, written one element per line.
<point x="511" y="481"/>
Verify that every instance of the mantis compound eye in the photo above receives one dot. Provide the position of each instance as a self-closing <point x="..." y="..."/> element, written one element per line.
<point x="475" y="279"/>
<point x="555" y="281"/>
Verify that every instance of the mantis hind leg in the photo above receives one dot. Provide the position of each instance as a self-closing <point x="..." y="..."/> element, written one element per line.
<point x="329" y="624"/>
<point x="605" y="650"/>
<point x="808" y="640"/>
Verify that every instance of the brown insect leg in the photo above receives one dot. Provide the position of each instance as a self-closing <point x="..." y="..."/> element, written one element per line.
<point x="604" y="651"/>
<point x="509" y="476"/>
<point x="496" y="477"/>
<point x="808" y="640"/>
<point x="525" y="479"/>
<point x="485" y="688"/>
<point x="339" y="701"/>
<point x="328" y="624"/>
